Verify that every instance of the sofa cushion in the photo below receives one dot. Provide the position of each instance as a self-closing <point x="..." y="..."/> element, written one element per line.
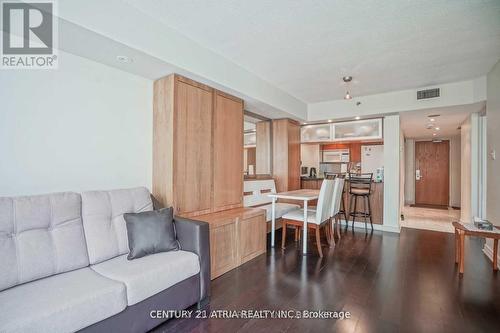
<point x="146" y="276"/>
<point x="281" y="209"/>
<point x="40" y="236"/>
<point x="61" y="303"/>
<point x="150" y="232"/>
<point x="102" y="213"/>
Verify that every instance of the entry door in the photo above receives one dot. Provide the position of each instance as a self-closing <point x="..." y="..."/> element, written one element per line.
<point x="432" y="168"/>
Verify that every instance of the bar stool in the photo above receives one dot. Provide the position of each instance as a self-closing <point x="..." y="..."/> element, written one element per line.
<point x="360" y="185"/>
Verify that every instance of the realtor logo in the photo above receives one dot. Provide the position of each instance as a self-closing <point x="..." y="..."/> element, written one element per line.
<point x="29" y="35"/>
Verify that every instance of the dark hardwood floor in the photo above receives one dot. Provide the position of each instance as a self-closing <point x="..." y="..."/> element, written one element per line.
<point x="389" y="282"/>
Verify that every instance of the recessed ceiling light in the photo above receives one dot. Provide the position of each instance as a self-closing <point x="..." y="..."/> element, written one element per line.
<point x="437" y="128"/>
<point x="357" y="117"/>
<point x="329" y="120"/>
<point x="432" y="119"/>
<point x="304" y="123"/>
<point x="434" y="134"/>
<point x="124" y="59"/>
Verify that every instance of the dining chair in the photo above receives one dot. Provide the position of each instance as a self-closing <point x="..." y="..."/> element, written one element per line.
<point x="316" y="219"/>
<point x="333" y="175"/>
<point x="335" y="208"/>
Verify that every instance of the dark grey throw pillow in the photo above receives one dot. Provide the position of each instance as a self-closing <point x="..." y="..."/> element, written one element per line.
<point x="150" y="232"/>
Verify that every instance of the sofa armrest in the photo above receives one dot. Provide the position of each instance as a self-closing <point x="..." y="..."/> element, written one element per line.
<point x="194" y="236"/>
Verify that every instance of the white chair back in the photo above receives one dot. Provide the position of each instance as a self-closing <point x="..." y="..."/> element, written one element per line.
<point x="324" y="201"/>
<point x="338" y="189"/>
<point x="256" y="192"/>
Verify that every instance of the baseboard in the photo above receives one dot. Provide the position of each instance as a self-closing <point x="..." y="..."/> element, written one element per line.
<point x="380" y="227"/>
<point x="390" y="228"/>
<point x="488" y="251"/>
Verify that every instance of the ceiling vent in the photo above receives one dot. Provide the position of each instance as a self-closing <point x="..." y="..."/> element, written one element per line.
<point x="428" y="93"/>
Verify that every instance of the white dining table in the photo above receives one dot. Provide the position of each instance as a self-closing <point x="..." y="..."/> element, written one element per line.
<point x="298" y="195"/>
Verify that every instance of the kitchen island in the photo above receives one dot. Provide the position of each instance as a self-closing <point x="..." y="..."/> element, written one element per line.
<point x="376" y="197"/>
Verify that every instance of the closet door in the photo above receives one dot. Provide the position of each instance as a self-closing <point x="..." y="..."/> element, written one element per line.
<point x="228" y="152"/>
<point x="193" y="148"/>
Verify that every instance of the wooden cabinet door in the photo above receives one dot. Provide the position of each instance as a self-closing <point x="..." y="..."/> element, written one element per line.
<point x="293" y="156"/>
<point x="193" y="148"/>
<point x="252" y="236"/>
<point x="223" y="248"/>
<point x="228" y="152"/>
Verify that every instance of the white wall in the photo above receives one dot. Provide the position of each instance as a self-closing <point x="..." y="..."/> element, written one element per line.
<point x="310" y="155"/>
<point x="402" y="174"/>
<point x="457" y="93"/>
<point x="392" y="159"/>
<point x="469" y="168"/>
<point x="84" y="126"/>
<point x="410" y="172"/>
<point x="493" y="138"/>
<point x="455" y="173"/>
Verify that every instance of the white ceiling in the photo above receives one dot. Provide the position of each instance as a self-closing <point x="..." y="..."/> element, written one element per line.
<point x="305" y="47"/>
<point x="413" y="123"/>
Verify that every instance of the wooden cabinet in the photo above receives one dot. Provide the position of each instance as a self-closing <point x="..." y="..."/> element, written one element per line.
<point x="197" y="147"/>
<point x="263" y="148"/>
<point x="252" y="237"/>
<point x="228" y="151"/>
<point x="223" y="250"/>
<point x="236" y="236"/>
<point x="311" y="184"/>
<point x="286" y="154"/>
<point x="192" y="158"/>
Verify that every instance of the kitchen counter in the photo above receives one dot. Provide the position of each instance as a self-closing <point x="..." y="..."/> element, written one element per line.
<point x="311" y="178"/>
<point x="376" y="197"/>
<point x="307" y="178"/>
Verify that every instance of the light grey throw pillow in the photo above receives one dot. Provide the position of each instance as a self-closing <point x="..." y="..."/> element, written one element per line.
<point x="150" y="232"/>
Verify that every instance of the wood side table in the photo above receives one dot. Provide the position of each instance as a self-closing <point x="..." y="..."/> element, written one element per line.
<point x="461" y="232"/>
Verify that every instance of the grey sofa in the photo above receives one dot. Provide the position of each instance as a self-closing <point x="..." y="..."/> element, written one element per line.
<point x="64" y="267"/>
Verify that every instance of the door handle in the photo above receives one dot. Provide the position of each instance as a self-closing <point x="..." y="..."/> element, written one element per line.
<point x="418" y="176"/>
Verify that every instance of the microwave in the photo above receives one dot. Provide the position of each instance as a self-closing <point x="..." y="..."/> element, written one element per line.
<point x="336" y="155"/>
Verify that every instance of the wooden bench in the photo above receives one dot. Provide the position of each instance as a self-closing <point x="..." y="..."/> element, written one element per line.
<point x="256" y="194"/>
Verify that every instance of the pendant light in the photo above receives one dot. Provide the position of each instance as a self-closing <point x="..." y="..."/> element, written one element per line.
<point x="347" y="79"/>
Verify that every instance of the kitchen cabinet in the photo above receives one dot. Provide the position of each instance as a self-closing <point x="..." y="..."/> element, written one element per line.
<point x="250" y="139"/>
<point x="368" y="129"/>
<point x="315" y="133"/>
<point x="197" y="147"/>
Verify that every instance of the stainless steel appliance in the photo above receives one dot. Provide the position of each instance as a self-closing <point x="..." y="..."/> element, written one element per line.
<point x="336" y="155"/>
